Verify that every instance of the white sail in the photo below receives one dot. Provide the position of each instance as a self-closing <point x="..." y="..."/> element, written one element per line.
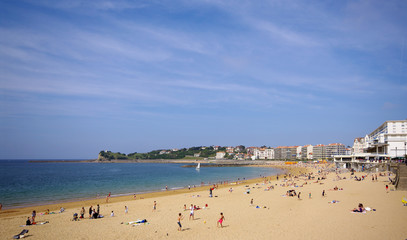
<point x="199" y="166"/>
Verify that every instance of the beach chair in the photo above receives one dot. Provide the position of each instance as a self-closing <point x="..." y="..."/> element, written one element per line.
<point x="404" y="201"/>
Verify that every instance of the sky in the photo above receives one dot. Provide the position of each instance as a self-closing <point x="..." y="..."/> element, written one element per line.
<point x="78" y="77"/>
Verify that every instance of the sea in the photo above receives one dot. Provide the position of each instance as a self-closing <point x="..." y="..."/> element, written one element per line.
<point x="24" y="184"/>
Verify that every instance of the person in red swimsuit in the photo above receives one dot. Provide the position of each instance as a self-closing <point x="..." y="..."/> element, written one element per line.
<point x="220" y="221"/>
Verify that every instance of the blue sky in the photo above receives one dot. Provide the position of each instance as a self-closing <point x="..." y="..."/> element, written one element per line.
<point x="78" y="77"/>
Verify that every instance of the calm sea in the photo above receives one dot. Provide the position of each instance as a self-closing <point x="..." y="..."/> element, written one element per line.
<point x="26" y="184"/>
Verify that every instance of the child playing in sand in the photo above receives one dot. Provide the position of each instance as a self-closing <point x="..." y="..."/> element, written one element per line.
<point x="191" y="214"/>
<point x="220" y="221"/>
<point x="180" y="217"/>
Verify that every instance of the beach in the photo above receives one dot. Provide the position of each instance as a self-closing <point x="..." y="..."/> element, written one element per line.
<point x="273" y="214"/>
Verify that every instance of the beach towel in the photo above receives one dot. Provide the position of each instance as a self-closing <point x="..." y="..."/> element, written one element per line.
<point x="34" y="224"/>
<point x="135" y="222"/>
<point x="21" y="234"/>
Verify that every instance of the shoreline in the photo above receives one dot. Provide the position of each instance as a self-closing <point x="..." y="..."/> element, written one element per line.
<point x="73" y="203"/>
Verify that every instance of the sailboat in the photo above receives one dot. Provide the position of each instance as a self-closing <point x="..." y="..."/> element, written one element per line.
<point x="199" y="166"/>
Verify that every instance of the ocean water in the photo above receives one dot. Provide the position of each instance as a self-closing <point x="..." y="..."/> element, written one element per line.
<point x="27" y="184"/>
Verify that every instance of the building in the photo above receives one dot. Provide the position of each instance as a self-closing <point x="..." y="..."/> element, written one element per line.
<point x="319" y="151"/>
<point x="334" y="149"/>
<point x="307" y="152"/>
<point x="250" y="150"/>
<point x="358" y="145"/>
<point x="263" y="153"/>
<point x="389" y="139"/>
<point x="230" y="149"/>
<point x="220" y="155"/>
<point x="322" y="151"/>
<point x="239" y="148"/>
<point x="283" y="152"/>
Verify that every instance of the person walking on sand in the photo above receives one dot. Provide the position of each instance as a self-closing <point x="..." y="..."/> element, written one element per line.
<point x="299" y="193"/>
<point x="323" y="193"/>
<point x="33" y="215"/>
<point x="126" y="210"/>
<point x="387" y="188"/>
<point x="191" y="214"/>
<point x="180" y="217"/>
<point x="154" y="206"/>
<point x="220" y="221"/>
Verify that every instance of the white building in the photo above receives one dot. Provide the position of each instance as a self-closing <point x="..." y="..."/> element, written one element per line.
<point x="358" y="145"/>
<point x="299" y="152"/>
<point x="220" y="155"/>
<point x="389" y="139"/>
<point x="307" y="152"/>
<point x="263" y="153"/>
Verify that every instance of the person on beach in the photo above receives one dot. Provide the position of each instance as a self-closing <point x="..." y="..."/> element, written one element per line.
<point x="95" y="214"/>
<point x="82" y="212"/>
<point x="112" y="214"/>
<point x="98" y="209"/>
<point x="309" y="195"/>
<point x="126" y="210"/>
<point x="1" y="206"/>
<point x="191" y="214"/>
<point x="251" y="202"/>
<point x="220" y="221"/>
<point x="299" y="193"/>
<point x="166" y="188"/>
<point x="134" y="196"/>
<point x="323" y="193"/>
<point x="387" y="188"/>
<point x="185" y="207"/>
<point x="360" y="208"/>
<point x="90" y="212"/>
<point x="180" y="217"/>
<point x="33" y="215"/>
<point x="28" y="222"/>
<point x="154" y="206"/>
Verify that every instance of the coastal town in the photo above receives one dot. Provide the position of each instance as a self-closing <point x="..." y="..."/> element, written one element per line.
<point x="388" y="141"/>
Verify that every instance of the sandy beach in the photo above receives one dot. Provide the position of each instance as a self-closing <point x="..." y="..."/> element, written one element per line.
<point x="273" y="215"/>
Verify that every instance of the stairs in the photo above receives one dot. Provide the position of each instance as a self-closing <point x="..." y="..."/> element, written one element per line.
<point x="401" y="181"/>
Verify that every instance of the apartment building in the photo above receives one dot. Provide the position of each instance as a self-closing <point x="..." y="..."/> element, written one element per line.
<point x="307" y="152"/>
<point x="263" y="153"/>
<point x="319" y="151"/>
<point x="389" y="139"/>
<point x="283" y="152"/>
<point x="322" y="151"/>
<point x="335" y="149"/>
